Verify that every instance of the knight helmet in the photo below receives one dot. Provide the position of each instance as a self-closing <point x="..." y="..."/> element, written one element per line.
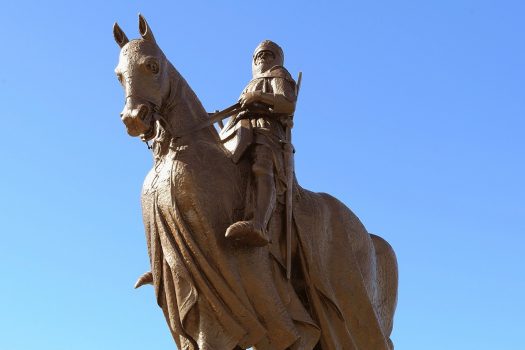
<point x="268" y="45"/>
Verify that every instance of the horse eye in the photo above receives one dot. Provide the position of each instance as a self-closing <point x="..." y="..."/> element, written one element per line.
<point x="152" y="66"/>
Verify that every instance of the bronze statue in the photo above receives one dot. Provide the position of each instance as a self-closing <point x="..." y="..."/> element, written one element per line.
<point x="226" y="273"/>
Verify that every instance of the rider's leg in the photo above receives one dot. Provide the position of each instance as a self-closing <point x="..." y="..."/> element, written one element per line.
<point x="253" y="232"/>
<point x="265" y="187"/>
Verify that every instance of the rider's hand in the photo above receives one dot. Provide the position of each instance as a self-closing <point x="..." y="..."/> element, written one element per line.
<point x="242" y="115"/>
<point x="249" y="98"/>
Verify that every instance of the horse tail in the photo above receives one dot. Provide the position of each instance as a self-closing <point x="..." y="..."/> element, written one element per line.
<point x="387" y="281"/>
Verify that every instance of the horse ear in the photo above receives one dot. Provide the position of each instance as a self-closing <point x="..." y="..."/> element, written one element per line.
<point x="119" y="35"/>
<point x="144" y="29"/>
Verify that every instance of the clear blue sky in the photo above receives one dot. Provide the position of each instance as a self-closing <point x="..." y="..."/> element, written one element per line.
<point x="411" y="112"/>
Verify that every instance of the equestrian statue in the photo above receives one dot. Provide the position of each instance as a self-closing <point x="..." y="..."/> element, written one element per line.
<point x="241" y="256"/>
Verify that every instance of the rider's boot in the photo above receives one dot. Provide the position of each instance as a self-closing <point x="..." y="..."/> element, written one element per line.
<point x="253" y="232"/>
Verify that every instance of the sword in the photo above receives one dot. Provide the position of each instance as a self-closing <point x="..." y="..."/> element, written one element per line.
<point x="288" y="151"/>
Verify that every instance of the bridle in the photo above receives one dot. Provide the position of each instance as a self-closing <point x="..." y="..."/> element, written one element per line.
<point x="155" y="115"/>
<point x="158" y="113"/>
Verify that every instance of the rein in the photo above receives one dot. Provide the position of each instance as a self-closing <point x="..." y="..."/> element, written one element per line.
<point x="158" y="113"/>
<point x="214" y="118"/>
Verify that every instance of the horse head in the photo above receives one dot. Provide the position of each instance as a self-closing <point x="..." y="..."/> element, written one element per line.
<point x="143" y="73"/>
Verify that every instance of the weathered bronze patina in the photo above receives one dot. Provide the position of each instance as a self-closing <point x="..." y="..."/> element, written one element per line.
<point x="232" y="268"/>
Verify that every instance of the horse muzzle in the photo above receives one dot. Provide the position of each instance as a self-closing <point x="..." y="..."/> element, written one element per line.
<point x="138" y="121"/>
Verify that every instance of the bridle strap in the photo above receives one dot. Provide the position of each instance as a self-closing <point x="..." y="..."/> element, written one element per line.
<point x="158" y="113"/>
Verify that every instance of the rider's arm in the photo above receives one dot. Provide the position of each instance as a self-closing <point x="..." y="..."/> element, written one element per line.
<point x="281" y="101"/>
<point x="284" y="96"/>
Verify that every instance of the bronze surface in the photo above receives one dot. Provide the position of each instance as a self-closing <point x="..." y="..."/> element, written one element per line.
<point x="227" y="223"/>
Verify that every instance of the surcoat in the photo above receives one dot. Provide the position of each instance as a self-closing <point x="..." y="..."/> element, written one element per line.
<point x="261" y="125"/>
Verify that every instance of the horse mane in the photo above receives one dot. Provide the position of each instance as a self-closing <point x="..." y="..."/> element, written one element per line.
<point x="187" y="109"/>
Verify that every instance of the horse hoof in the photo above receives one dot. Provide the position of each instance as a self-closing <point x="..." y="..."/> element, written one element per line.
<point x="245" y="232"/>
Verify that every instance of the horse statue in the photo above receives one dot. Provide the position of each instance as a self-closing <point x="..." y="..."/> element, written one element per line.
<point x="215" y="293"/>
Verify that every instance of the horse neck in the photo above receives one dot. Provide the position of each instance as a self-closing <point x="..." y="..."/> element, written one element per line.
<point x="186" y="109"/>
<point x="183" y="112"/>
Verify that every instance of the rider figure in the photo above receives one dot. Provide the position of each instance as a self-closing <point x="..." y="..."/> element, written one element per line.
<point x="269" y="104"/>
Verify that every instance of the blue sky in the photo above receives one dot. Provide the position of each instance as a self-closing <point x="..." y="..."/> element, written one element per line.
<point x="411" y="112"/>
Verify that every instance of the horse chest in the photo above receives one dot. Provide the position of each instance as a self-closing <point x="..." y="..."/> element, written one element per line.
<point x="158" y="178"/>
<point x="171" y="177"/>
